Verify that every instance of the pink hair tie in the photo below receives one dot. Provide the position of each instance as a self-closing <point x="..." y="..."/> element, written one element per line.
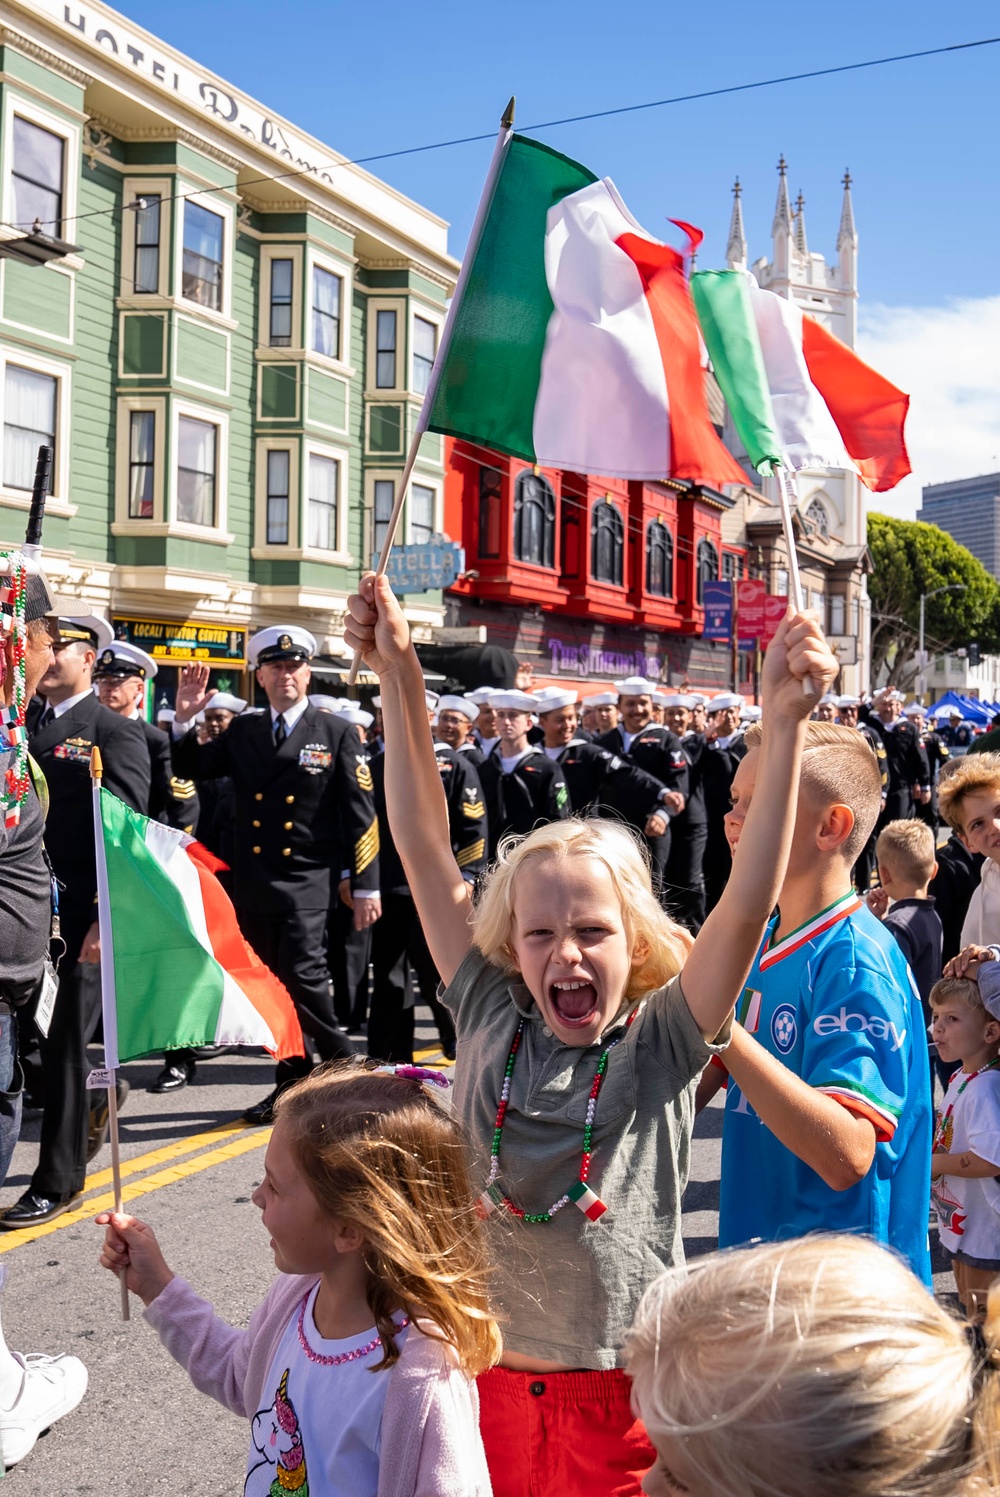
<point x="415" y="1073"/>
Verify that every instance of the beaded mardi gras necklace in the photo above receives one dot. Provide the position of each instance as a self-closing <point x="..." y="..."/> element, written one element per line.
<point x="354" y="1355"/>
<point x="580" y="1194"/>
<point x="944" y="1134"/>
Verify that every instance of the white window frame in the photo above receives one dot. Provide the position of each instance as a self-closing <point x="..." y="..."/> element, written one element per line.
<point x="374" y="306"/>
<point x="341" y="556"/>
<point x="373" y="476"/>
<point x="140" y="187"/>
<point x="426" y="481"/>
<point x="123" y="523"/>
<point x="261" y="548"/>
<point x="216" y="534"/>
<point x="71" y="134"/>
<point x="269" y="252"/>
<point x="214" y="202"/>
<point x="58" y="502"/>
<point x="426" y="314"/>
<point x="343" y="271"/>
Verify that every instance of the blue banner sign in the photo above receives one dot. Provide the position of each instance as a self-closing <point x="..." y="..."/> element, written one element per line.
<point x="718" y="604"/>
<point x="424" y="568"/>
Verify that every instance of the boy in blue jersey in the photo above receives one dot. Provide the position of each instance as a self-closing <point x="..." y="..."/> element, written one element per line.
<point x="828" y="1113"/>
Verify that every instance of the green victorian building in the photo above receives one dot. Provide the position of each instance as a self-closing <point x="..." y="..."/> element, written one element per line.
<point x="228" y="359"/>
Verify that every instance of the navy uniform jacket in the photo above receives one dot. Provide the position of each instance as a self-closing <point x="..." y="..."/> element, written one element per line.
<point x="907" y="762"/>
<point x="877" y="747"/>
<point x="466" y="819"/>
<point x="595" y="774"/>
<point x="172" y="801"/>
<point x="304" y="811"/>
<point x="656" y="750"/>
<point x="62" y="750"/>
<point x="719" y="767"/>
<point x="695" y="746"/>
<point x="472" y="752"/>
<point x="534" y="792"/>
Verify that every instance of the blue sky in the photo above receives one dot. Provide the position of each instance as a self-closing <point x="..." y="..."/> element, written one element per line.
<point x="919" y="137"/>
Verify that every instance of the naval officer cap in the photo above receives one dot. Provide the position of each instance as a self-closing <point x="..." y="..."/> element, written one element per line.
<point x="281" y="642"/>
<point x="514" y="701"/>
<point x="463" y="705"/>
<point x="87" y="628"/>
<point x="224" y="701"/>
<point x="551" y="698"/>
<point x="601" y="699"/>
<point x="635" y="686"/>
<point x="725" y="701"/>
<point x="123" y="660"/>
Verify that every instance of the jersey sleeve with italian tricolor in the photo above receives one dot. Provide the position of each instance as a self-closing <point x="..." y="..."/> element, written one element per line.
<point x="863" y="1016"/>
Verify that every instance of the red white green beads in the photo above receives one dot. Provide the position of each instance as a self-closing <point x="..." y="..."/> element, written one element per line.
<point x="579" y="1194"/>
<point x="13" y="735"/>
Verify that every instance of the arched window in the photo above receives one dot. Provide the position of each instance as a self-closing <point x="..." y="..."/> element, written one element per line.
<point x="659" y="560"/>
<point x="607" y="543"/>
<point x="819" y="517"/>
<point x="708" y="566"/>
<point x="534" y="520"/>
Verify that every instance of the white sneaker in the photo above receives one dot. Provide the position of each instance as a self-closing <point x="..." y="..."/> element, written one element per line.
<point x="50" y="1388"/>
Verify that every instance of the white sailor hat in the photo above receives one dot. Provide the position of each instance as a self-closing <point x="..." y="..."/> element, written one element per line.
<point x="948" y="712"/>
<point x="481" y="694"/>
<point x="828" y="697"/>
<point x="680" y="701"/>
<point x="467" y="708"/>
<point x="726" y="700"/>
<point x="90" y="628"/>
<point x="122" y="659"/>
<point x="280" y="642"/>
<point x="698" y="698"/>
<point x="915" y="710"/>
<point x="514" y="701"/>
<point x="355" y="714"/>
<point x="848" y="702"/>
<point x="635" y="686"/>
<point x="551" y="698"/>
<point x="166" y="715"/>
<point x="601" y="699"/>
<point x="751" y="713"/>
<point x="323" y="703"/>
<point x="224" y="701"/>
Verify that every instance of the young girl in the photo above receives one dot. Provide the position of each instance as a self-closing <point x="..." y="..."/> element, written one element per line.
<point x="355" y="1370"/>
<point x="578" y="1050"/>
<point x="818" y="1366"/>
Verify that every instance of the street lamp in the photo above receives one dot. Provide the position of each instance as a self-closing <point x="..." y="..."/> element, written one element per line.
<point x="951" y="587"/>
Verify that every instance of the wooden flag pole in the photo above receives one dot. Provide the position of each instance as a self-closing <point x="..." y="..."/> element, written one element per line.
<point x="108" y="1008"/>
<point x="423" y="419"/>
<point x="788" y="498"/>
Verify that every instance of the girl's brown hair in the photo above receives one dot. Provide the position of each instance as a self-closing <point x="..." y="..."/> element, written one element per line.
<point x="381" y="1153"/>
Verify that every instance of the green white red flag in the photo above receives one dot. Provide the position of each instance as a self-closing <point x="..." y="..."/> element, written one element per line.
<point x="175" y="969"/>
<point x="573" y="342"/>
<point x="799" y="397"/>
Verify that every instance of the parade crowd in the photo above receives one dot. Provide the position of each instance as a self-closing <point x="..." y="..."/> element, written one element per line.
<point x="615" y="908"/>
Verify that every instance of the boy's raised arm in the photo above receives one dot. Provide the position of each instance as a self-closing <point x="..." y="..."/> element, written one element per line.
<point x="727" y="943"/>
<point x="418" y="812"/>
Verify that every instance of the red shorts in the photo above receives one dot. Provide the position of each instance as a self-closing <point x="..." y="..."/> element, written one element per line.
<point x="562" y="1434"/>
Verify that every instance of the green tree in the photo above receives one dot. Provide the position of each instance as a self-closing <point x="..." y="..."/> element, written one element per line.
<point x="910" y="558"/>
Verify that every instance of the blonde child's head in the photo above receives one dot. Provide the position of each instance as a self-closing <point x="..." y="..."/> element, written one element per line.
<point x="570" y="910"/>
<point x="840" y="791"/>
<point x="962" y="1027"/>
<point x="819" y="1366"/>
<point x="969" y="798"/>
<point x="380" y="1155"/>
<point x="905" y="853"/>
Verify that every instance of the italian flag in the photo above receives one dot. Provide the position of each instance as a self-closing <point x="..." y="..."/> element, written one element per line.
<point x="175" y="969"/>
<point x="799" y="398"/>
<point x="573" y="342"/>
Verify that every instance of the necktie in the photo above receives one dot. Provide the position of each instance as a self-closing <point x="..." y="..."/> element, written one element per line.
<point x="47" y="716"/>
<point x="280" y="731"/>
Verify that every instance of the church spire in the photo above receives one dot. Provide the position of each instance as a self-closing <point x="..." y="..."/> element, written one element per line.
<point x="736" y="249"/>
<point x="782" y="208"/>
<point x="847" y="230"/>
<point x="800" y="226"/>
<point x="847" y="244"/>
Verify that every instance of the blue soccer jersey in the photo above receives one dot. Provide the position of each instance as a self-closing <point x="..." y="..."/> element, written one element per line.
<point x="834" y="1001"/>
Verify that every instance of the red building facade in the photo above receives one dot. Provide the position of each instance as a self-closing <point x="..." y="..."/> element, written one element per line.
<point x="588" y="578"/>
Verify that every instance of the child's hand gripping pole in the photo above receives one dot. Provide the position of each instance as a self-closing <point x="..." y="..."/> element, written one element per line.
<point x="788" y="499"/>
<point x="798" y="668"/>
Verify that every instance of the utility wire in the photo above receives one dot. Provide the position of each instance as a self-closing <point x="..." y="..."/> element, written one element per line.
<point x="573" y="119"/>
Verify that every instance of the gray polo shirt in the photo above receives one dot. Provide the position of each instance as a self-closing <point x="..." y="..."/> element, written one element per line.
<point x="567" y="1290"/>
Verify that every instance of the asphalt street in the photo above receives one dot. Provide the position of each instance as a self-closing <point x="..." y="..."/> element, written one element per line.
<point x="192" y="1166"/>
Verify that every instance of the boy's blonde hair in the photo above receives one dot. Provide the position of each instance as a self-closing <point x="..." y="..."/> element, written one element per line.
<point x="380" y="1152"/>
<point x="659" y="944"/>
<point x="963" y="989"/>
<point x="818" y="1366"/>
<point x="907" y="847"/>
<point x="959" y="778"/>
<point x="839" y="768"/>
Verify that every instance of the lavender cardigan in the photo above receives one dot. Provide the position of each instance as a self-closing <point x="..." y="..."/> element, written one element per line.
<point x="431" y="1446"/>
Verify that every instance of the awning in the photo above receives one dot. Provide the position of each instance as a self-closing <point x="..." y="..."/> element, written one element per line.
<point x="336" y="668"/>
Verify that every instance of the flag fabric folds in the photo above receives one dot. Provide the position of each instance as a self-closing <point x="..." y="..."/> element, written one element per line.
<point x="799" y="397"/>
<point x="182" y="973"/>
<point x="575" y="343"/>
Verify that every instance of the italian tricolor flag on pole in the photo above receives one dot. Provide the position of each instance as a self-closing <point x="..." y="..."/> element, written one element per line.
<point x="572" y="340"/>
<point x="175" y="969"/>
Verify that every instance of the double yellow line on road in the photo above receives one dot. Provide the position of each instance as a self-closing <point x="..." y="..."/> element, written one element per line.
<point x="179" y="1166"/>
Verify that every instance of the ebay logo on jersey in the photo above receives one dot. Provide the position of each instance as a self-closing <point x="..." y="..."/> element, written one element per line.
<point x="853" y="1023"/>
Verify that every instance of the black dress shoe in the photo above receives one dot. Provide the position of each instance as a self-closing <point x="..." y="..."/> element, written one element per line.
<point x="262" y="1113"/>
<point x="100" y="1118"/>
<point x="212" y="1052"/>
<point x="33" y="1210"/>
<point x="173" y="1077"/>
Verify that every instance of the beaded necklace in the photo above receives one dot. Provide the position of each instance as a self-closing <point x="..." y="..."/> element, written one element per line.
<point x="944" y="1134"/>
<point x="354" y="1355"/>
<point x="588" y="1201"/>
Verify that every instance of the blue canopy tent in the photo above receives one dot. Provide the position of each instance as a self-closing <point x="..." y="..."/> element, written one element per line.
<point x="980" y="713"/>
